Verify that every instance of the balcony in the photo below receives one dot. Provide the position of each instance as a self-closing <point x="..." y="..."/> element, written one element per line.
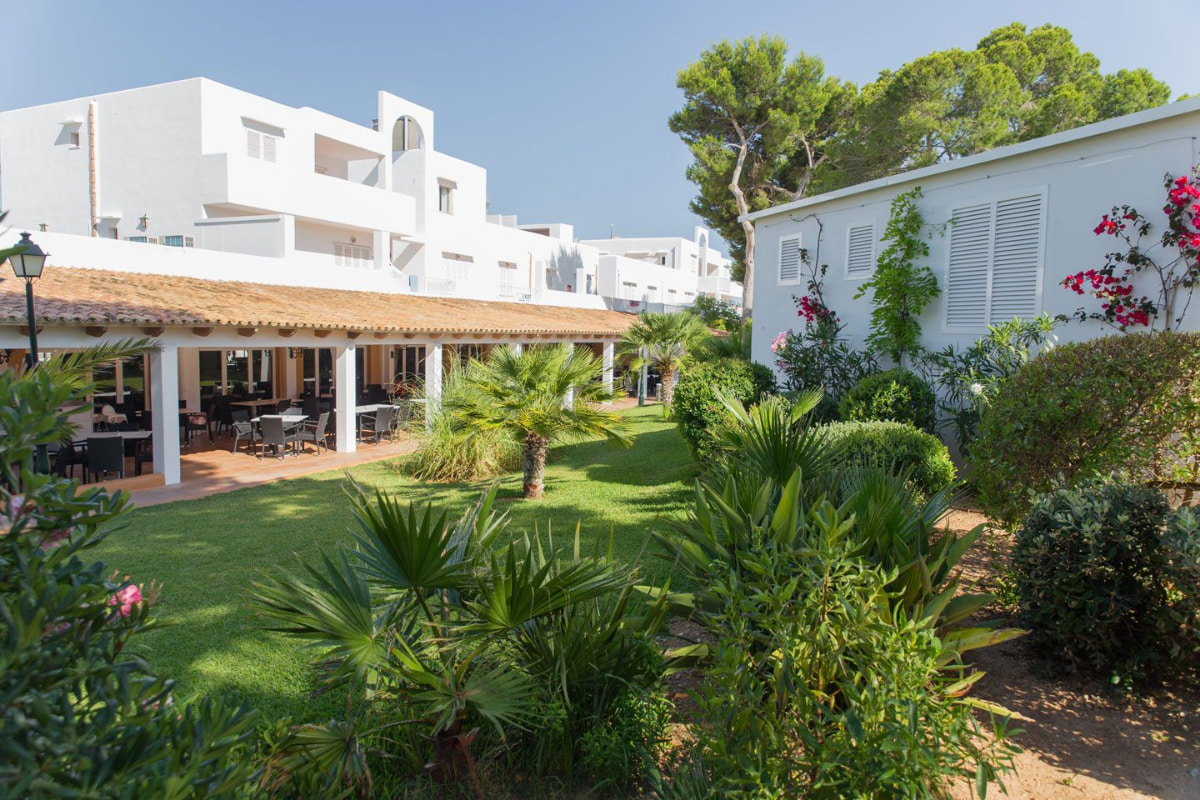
<point x="261" y="186"/>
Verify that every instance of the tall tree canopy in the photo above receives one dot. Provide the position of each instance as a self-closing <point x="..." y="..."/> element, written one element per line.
<point x="764" y="129"/>
<point x="757" y="124"/>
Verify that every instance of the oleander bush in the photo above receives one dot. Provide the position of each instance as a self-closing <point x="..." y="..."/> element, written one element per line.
<point x="698" y="408"/>
<point x="1109" y="581"/>
<point x="1126" y="403"/>
<point x="920" y="457"/>
<point x="82" y="713"/>
<point x="896" y="395"/>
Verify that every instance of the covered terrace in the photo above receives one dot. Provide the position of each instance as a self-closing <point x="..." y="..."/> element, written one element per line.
<point x="273" y="344"/>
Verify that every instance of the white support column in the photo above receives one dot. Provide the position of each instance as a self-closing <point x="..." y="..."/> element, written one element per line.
<point x="569" y="398"/>
<point x="607" y="356"/>
<point x="517" y="347"/>
<point x="382" y="244"/>
<point x="433" y="381"/>
<point x="344" y="399"/>
<point x="164" y="393"/>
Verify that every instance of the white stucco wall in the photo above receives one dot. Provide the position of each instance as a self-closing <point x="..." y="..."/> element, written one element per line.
<point x="1079" y="179"/>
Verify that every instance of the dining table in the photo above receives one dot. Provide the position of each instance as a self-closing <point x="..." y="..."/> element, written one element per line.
<point x="137" y="438"/>
<point x="289" y="420"/>
<point x="255" y="405"/>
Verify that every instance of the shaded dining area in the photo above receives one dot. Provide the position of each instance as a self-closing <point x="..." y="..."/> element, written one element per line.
<point x="253" y="378"/>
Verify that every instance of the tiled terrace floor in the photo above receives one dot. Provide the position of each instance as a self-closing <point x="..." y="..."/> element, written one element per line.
<point x="213" y="469"/>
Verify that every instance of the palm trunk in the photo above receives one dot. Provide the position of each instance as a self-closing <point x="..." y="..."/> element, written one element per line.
<point x="535" y="466"/>
<point x="667" y="391"/>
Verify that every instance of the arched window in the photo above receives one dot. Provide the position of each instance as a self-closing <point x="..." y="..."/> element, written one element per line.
<point x="407" y="135"/>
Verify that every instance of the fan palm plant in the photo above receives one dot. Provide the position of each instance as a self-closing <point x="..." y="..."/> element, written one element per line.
<point x="665" y="342"/>
<point x="538" y="396"/>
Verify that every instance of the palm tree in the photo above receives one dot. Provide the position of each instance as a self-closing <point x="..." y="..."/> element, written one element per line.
<point x="527" y="395"/>
<point x="665" y="342"/>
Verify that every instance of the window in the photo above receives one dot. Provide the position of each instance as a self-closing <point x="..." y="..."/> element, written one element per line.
<point x="144" y="239"/>
<point x="73" y="138"/>
<point x="628" y="290"/>
<point x="860" y="251"/>
<point x="508" y="278"/>
<point x="789" y="259"/>
<point x="260" y="145"/>
<point x="445" y="199"/>
<point x="346" y="254"/>
<point x="994" y="268"/>
<point x="178" y="241"/>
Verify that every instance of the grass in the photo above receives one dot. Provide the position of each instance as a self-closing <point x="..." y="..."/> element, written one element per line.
<point x="207" y="553"/>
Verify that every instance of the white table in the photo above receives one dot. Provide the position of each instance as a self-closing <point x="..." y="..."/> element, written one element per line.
<point x="289" y="420"/>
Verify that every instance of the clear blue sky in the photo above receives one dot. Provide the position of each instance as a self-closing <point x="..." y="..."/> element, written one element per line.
<point x="564" y="103"/>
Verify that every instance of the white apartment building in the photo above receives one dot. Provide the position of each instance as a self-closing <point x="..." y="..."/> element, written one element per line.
<point x="662" y="272"/>
<point x="195" y="178"/>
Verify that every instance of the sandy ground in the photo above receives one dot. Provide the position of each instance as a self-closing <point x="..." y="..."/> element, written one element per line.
<point x="1083" y="741"/>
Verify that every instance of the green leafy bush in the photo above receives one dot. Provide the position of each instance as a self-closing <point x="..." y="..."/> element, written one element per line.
<point x="80" y="714"/>
<point x="699" y="410"/>
<point x="895" y="395"/>
<point x="1106" y="582"/>
<point x="901" y="448"/>
<point x="1125" y="403"/>
<point x="818" y="357"/>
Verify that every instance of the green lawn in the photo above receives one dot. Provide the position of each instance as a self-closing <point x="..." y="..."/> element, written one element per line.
<point x="206" y="553"/>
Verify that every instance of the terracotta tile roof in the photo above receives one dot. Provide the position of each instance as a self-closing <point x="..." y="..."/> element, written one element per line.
<point x="94" y="297"/>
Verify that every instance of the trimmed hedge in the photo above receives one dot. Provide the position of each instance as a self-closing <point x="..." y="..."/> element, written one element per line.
<point x="895" y="395"/>
<point x="896" y="445"/>
<point x="1104" y="584"/>
<point x="698" y="411"/>
<point x="1128" y="403"/>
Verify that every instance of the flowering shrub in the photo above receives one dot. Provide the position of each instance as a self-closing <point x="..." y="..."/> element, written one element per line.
<point x="1176" y="265"/>
<point x="1119" y="403"/>
<point x="79" y="715"/>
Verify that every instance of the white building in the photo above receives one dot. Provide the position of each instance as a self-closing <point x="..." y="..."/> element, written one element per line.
<point x="663" y="272"/>
<point x="1021" y="219"/>
<point x="197" y="178"/>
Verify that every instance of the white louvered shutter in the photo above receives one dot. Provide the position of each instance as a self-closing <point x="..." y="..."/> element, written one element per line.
<point x="268" y="148"/>
<point x="1016" y="258"/>
<point x="967" y="273"/>
<point x="860" y="250"/>
<point x="789" y="259"/>
<point x="253" y="143"/>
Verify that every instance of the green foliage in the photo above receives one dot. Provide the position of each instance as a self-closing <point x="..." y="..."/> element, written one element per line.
<point x="900" y="288"/>
<point x="896" y="395"/>
<point x="617" y="751"/>
<point x="753" y="118"/>
<point x="81" y="714"/>
<point x="447" y="451"/>
<point x="462" y="640"/>
<point x="968" y="379"/>
<point x="818" y="357"/>
<point x="827" y="678"/>
<point x="698" y="408"/>
<point x="1109" y="581"/>
<point x="716" y="313"/>
<point x="520" y="396"/>
<point x="1017" y="84"/>
<point x="666" y="342"/>
<point x="1129" y="402"/>
<point x="920" y="457"/>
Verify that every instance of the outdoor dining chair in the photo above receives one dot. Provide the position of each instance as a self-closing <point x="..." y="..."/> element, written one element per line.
<point x="243" y="428"/>
<point x="67" y="458"/>
<point x="378" y="424"/>
<point x="315" y="432"/>
<point x="273" y="434"/>
<point x="105" y="454"/>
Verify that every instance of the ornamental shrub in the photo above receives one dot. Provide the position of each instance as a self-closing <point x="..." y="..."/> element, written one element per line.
<point x="1106" y="582"/>
<point x="699" y="411"/>
<point x="895" y="395"/>
<point x="921" y="456"/>
<point x="1124" y="403"/>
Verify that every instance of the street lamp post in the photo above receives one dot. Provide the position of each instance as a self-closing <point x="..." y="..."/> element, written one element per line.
<point x="27" y="261"/>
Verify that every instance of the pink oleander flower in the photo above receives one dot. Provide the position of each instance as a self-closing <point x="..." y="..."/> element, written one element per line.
<point x="126" y="598"/>
<point x="780" y="341"/>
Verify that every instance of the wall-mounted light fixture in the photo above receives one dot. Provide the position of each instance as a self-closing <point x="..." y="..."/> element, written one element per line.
<point x="5" y="355"/>
<point x="43" y="226"/>
<point x="294" y="352"/>
<point x="144" y="221"/>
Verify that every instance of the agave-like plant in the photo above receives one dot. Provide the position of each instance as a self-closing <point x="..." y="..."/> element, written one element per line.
<point x="435" y="620"/>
